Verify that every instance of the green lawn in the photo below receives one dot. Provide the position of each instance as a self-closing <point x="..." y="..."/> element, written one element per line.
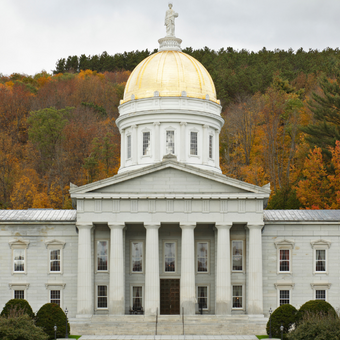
<point x="74" y="336"/>
<point x="262" y="336"/>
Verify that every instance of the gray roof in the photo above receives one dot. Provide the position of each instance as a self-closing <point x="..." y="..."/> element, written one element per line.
<point x="38" y="215"/>
<point x="301" y="215"/>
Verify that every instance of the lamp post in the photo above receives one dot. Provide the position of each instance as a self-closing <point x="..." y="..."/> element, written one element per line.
<point x="270" y="322"/>
<point x="281" y="329"/>
<point x="55" y="332"/>
<point x="66" y="330"/>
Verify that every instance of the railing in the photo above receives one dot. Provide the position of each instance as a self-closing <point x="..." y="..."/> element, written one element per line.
<point x="183" y="321"/>
<point x="156" y="321"/>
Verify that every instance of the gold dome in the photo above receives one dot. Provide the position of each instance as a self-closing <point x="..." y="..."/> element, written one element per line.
<point x="170" y="73"/>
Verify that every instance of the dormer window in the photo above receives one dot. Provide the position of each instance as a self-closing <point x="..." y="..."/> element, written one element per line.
<point x="193" y="143"/>
<point x="128" y="147"/>
<point x="170" y="142"/>
<point x="146" y="143"/>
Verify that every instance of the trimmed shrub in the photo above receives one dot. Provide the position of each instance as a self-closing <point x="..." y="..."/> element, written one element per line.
<point x="284" y="315"/>
<point x="20" y="328"/>
<point x="316" y="307"/>
<point x="49" y="315"/>
<point x="317" y="327"/>
<point x="20" y="306"/>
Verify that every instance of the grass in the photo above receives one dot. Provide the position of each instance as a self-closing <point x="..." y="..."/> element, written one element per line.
<point x="74" y="336"/>
<point x="262" y="336"/>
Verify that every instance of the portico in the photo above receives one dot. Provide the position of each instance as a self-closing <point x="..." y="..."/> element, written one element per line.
<point x="200" y="229"/>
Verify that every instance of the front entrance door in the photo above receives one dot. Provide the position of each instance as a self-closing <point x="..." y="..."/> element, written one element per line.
<point x="169" y="296"/>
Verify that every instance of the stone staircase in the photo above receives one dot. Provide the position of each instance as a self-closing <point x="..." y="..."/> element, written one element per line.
<point x="140" y="325"/>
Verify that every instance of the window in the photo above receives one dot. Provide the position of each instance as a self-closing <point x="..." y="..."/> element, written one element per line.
<point x="320" y="260"/>
<point x="102" y="255"/>
<point x="128" y="146"/>
<point x="170" y="142"/>
<point x="284" y="297"/>
<point x="137" y="257"/>
<point x="193" y="143"/>
<point x="19" y="260"/>
<point x="102" y="297"/>
<point x="19" y="294"/>
<point x="202" y="257"/>
<point x="169" y="256"/>
<point x="55" y="260"/>
<point x="202" y="297"/>
<point x="320" y="295"/>
<point x="55" y="256"/>
<point x="210" y="146"/>
<point x="146" y="144"/>
<point x="237" y="297"/>
<point x="320" y="256"/>
<point x="55" y="297"/>
<point x="237" y="255"/>
<point x="137" y="298"/>
<point x="284" y="255"/>
<point x="284" y="260"/>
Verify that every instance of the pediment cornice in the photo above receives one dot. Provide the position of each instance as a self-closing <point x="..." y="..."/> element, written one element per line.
<point x="263" y="192"/>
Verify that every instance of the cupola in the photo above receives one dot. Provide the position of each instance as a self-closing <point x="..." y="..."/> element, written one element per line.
<point x="170" y="107"/>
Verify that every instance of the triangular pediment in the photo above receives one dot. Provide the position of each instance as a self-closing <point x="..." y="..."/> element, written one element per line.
<point x="169" y="177"/>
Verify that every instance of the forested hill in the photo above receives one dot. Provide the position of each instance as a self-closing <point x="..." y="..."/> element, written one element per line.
<point x="234" y="72"/>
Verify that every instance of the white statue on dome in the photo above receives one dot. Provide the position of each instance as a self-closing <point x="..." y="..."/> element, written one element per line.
<point x="170" y="21"/>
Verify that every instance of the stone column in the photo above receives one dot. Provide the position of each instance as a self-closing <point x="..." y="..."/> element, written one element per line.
<point x="188" y="266"/>
<point x="255" y="289"/>
<point x="205" y="144"/>
<point x="223" y="283"/>
<point x="134" y="144"/>
<point x="117" y="286"/>
<point x="122" y="149"/>
<point x="184" y="147"/>
<point x="157" y="141"/>
<point x="152" y="284"/>
<point x="217" y="149"/>
<point x="85" y="291"/>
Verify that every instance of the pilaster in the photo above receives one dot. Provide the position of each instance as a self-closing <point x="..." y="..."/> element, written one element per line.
<point x="255" y="285"/>
<point x="188" y="295"/>
<point x="223" y="282"/>
<point x="183" y="149"/>
<point x="122" y="149"/>
<point x="205" y="146"/>
<point x="85" y="296"/>
<point x="152" y="284"/>
<point x="156" y="141"/>
<point x="117" y="287"/>
<point x="134" y="145"/>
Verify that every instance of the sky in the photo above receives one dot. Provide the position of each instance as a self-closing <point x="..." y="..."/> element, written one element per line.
<point x="37" y="33"/>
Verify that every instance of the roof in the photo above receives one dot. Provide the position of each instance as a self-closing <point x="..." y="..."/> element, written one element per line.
<point x="169" y="73"/>
<point x="301" y="215"/>
<point x="38" y="215"/>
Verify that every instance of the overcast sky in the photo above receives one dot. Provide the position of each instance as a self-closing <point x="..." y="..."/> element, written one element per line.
<point x="34" y="34"/>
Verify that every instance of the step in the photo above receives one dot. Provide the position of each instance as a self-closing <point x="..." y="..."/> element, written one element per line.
<point x="168" y="337"/>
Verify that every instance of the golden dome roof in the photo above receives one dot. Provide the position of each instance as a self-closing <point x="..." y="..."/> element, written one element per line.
<point x="170" y="73"/>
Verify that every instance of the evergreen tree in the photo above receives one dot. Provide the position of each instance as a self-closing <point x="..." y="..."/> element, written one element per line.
<point x="326" y="108"/>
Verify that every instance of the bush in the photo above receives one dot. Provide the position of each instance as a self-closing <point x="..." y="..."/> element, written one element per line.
<point x="316" y="307"/>
<point x="20" y="328"/>
<point x="317" y="327"/>
<point x="49" y="315"/>
<point x="284" y="315"/>
<point x="16" y="305"/>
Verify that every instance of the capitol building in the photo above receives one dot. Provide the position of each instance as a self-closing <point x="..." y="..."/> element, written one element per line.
<point x="169" y="235"/>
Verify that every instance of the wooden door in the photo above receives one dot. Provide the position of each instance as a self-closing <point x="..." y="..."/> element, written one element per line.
<point x="170" y="302"/>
